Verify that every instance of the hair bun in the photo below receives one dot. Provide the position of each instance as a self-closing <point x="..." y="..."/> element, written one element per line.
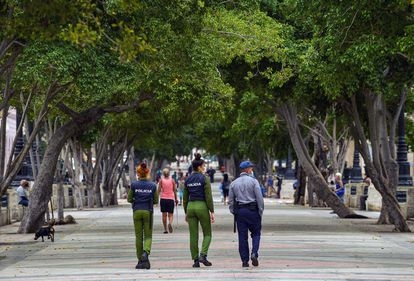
<point x="197" y="162"/>
<point x="142" y="170"/>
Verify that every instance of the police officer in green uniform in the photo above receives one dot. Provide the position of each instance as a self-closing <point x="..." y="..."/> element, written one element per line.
<point x="143" y="195"/>
<point x="199" y="209"/>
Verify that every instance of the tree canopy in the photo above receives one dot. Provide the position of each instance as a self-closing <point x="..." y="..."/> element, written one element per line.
<point x="235" y="78"/>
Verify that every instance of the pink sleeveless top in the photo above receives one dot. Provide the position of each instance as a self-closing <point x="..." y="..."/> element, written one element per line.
<point x="167" y="188"/>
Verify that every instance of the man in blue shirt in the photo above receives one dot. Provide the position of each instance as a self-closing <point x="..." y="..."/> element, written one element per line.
<point x="246" y="203"/>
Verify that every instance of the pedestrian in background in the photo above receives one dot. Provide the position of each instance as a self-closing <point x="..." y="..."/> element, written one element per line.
<point x="247" y="205"/>
<point x="167" y="190"/>
<point x="180" y="189"/>
<point x="143" y="195"/>
<point x="269" y="186"/>
<point x="199" y="209"/>
<point x="175" y="178"/>
<point x="211" y="173"/>
<point x="22" y="192"/>
<point x="225" y="186"/>
<point x="279" y="179"/>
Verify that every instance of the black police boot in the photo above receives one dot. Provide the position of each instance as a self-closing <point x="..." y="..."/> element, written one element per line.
<point x="203" y="259"/>
<point x="147" y="265"/>
<point x="144" y="262"/>
<point x="138" y="266"/>
<point x="196" y="263"/>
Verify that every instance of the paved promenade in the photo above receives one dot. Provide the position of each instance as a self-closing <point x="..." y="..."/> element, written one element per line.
<point x="298" y="243"/>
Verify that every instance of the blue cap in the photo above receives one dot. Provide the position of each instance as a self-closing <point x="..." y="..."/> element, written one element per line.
<point x="246" y="164"/>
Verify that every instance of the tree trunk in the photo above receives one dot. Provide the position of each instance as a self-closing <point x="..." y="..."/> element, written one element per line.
<point x="114" y="192"/>
<point x="3" y="130"/>
<point x="269" y="163"/>
<point x="9" y="53"/>
<point x="75" y="168"/>
<point x="312" y="200"/>
<point x="98" y="170"/>
<point x="14" y="164"/>
<point x="391" y="210"/>
<point x="60" y="202"/>
<point x="231" y="166"/>
<point x="106" y="197"/>
<point x="42" y="188"/>
<point x="97" y="194"/>
<point x="288" y="112"/>
<point x="60" y="195"/>
<point x="87" y="169"/>
<point x="327" y="141"/>
<point x="125" y="185"/>
<point x="131" y="165"/>
<point x="78" y="197"/>
<point x="97" y="185"/>
<point x="104" y="186"/>
<point x="380" y="164"/>
<point x="300" y="190"/>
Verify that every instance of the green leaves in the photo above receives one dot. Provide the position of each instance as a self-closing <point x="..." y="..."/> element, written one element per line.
<point x="80" y="34"/>
<point x="129" y="44"/>
<point x="355" y="42"/>
<point x="34" y="19"/>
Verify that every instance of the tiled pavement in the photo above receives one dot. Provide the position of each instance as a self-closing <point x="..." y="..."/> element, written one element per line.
<point x="298" y="243"/>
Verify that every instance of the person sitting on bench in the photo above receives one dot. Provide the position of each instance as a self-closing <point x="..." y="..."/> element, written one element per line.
<point x="22" y="193"/>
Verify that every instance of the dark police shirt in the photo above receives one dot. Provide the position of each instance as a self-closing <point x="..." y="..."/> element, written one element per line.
<point x="143" y="195"/>
<point x="195" y="184"/>
<point x="198" y="188"/>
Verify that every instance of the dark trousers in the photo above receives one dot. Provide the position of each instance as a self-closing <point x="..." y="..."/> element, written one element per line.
<point x="248" y="220"/>
<point x="24" y="201"/>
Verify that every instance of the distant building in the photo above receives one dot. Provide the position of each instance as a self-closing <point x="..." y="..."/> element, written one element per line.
<point x="11" y="125"/>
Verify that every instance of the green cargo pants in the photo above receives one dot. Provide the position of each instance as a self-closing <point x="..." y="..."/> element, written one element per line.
<point x="143" y="221"/>
<point x="197" y="212"/>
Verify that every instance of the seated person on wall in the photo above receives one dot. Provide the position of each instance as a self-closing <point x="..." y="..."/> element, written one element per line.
<point x="22" y="192"/>
<point x="339" y="186"/>
<point x="363" y="198"/>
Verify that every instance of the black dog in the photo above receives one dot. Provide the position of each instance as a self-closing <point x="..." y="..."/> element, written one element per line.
<point x="46" y="230"/>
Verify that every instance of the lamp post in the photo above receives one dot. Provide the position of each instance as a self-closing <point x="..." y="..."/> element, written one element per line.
<point x="404" y="178"/>
<point x="356" y="174"/>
